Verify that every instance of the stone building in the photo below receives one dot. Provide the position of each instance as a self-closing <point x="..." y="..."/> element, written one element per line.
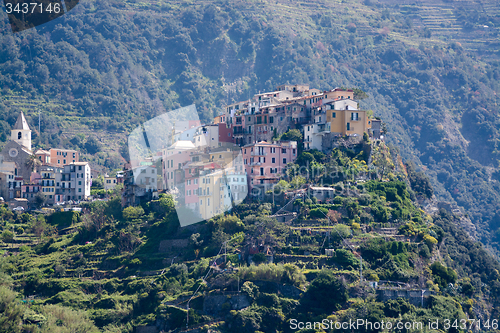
<point x="18" y="151"/>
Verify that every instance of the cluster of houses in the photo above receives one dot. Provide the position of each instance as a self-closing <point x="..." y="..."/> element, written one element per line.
<point x="214" y="166"/>
<point x="57" y="174"/>
<point x="320" y="115"/>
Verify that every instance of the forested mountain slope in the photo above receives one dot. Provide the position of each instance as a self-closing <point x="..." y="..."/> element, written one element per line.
<point x="430" y="68"/>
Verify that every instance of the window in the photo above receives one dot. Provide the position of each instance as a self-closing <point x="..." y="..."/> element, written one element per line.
<point x="64" y="161"/>
<point x="80" y="189"/>
<point x="283" y="150"/>
<point x="208" y="201"/>
<point x="262" y="171"/>
<point x="354" y="116"/>
<point x="348" y="126"/>
<point x="19" y="135"/>
<point x="334" y="114"/>
<point x="284" y="161"/>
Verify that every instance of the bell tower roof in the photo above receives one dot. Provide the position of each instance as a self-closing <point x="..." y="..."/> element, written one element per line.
<point x="21" y="123"/>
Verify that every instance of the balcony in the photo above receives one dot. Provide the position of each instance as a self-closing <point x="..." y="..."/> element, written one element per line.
<point x="238" y="130"/>
<point x="257" y="153"/>
<point x="321" y="129"/>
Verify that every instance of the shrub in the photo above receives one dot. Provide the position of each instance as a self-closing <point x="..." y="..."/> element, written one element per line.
<point x="326" y="284"/>
<point x="442" y="274"/>
<point x="24" y="248"/>
<point x="430" y="241"/>
<point x="318" y="213"/>
<point x="7" y="236"/>
<point x="346" y="258"/>
<point x="131" y="213"/>
<point x="259" y="258"/>
<point x="424" y="251"/>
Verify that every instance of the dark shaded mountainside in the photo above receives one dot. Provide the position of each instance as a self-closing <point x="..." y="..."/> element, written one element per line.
<point x="430" y="68"/>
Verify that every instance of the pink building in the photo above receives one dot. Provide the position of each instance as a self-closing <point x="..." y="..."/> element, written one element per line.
<point x="174" y="158"/>
<point x="265" y="162"/>
<point x="191" y="175"/>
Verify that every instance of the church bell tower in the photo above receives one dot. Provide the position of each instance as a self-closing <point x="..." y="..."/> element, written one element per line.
<point x="21" y="132"/>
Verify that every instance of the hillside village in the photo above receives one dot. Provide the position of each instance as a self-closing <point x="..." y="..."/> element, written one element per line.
<point x="32" y="178"/>
<point x="342" y="244"/>
<point x="246" y="149"/>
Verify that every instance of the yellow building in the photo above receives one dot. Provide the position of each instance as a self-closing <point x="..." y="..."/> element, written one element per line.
<point x="348" y="122"/>
<point x="227" y="157"/>
<point x="213" y="194"/>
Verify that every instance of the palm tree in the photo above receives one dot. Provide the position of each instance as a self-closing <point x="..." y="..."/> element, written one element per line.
<point x="33" y="162"/>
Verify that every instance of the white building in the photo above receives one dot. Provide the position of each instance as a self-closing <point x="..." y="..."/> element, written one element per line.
<point x="77" y="176"/>
<point x="207" y="135"/>
<point x="313" y="135"/>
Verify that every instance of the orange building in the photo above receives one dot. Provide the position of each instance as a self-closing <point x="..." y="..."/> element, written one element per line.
<point x="62" y="157"/>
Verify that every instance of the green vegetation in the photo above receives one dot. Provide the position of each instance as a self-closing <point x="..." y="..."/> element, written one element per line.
<point x="110" y="269"/>
<point x="98" y="73"/>
<point x="430" y="72"/>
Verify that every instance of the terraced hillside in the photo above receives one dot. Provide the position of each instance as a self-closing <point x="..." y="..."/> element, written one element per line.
<point x="430" y="69"/>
